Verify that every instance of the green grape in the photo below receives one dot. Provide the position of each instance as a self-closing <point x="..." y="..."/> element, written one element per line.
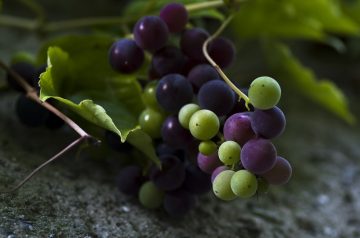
<point x="186" y="112"/>
<point x="22" y="56"/>
<point x="244" y="184"/>
<point x="151" y="121"/>
<point x="222" y="187"/>
<point x="263" y="186"/>
<point x="149" y="96"/>
<point x="150" y="196"/>
<point x="264" y="93"/>
<point x="207" y="147"/>
<point x="229" y="152"/>
<point x="204" y="124"/>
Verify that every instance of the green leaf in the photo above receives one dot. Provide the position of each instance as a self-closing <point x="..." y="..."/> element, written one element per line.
<point x="79" y="76"/>
<point x="323" y="92"/>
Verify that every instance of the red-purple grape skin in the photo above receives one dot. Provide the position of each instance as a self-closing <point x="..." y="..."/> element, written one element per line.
<point x="196" y="181"/>
<point x="280" y="174"/>
<point x="201" y="74"/>
<point x="268" y="123"/>
<point x="191" y="43"/>
<point x="175" y="16"/>
<point x="178" y="203"/>
<point x="130" y="179"/>
<point x="125" y="56"/>
<point x="216" y="96"/>
<point x="168" y="59"/>
<point x="151" y="33"/>
<point x="174" y="134"/>
<point x="217" y="171"/>
<point x="258" y="155"/>
<point x="222" y="51"/>
<point x="208" y="163"/>
<point x="238" y="128"/>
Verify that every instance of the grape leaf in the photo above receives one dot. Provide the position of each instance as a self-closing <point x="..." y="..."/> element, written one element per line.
<point x="323" y="92"/>
<point x="79" y="76"/>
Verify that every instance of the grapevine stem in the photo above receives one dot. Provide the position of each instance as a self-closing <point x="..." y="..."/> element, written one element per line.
<point x="217" y="67"/>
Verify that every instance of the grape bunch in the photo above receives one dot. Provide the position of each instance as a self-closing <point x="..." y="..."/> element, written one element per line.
<point x="206" y="138"/>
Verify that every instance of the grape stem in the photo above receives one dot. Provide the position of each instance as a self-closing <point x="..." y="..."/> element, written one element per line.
<point x="217" y="67"/>
<point x="32" y="94"/>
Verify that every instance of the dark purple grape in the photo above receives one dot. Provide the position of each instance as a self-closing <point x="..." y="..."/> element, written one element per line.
<point x="201" y="74"/>
<point x="175" y="16"/>
<point x="196" y="181"/>
<point x="174" y="134"/>
<point x="258" y="155"/>
<point x="222" y="51"/>
<point x="113" y="140"/>
<point x="130" y="179"/>
<point x="217" y="97"/>
<point x="217" y="171"/>
<point x="26" y="71"/>
<point x="189" y="65"/>
<point x="191" y="43"/>
<point x="53" y="122"/>
<point x="280" y="174"/>
<point x="268" y="123"/>
<point x="238" y="128"/>
<point x="178" y="203"/>
<point x="168" y="60"/>
<point x="208" y="163"/>
<point x="151" y="33"/>
<point x="165" y="149"/>
<point x="171" y="175"/>
<point x="30" y="113"/>
<point x="173" y="92"/>
<point x="125" y="56"/>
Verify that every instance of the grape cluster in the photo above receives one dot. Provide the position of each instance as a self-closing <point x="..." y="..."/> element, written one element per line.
<point x="205" y="138"/>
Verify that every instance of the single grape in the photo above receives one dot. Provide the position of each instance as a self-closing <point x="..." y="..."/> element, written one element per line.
<point x="268" y="123"/>
<point x="280" y="174"/>
<point x="191" y="43"/>
<point x="186" y="112"/>
<point x="244" y="184"/>
<point x="217" y="171"/>
<point x="24" y="70"/>
<point x="22" y="57"/>
<point x="151" y="121"/>
<point x="196" y="181"/>
<point x="175" y="16"/>
<point x="216" y="96"/>
<point x="173" y="92"/>
<point x="204" y="124"/>
<point x="222" y="51"/>
<point x="258" y="155"/>
<point x="174" y="134"/>
<point x="150" y="196"/>
<point x="238" y="128"/>
<point x="207" y="147"/>
<point x="178" y="203"/>
<point x="151" y="33"/>
<point x="165" y="149"/>
<point x="229" y="152"/>
<point x="29" y="112"/>
<point x="168" y="59"/>
<point x="113" y="140"/>
<point x="263" y="186"/>
<point x="125" y="56"/>
<point x="201" y="74"/>
<point x="149" y="96"/>
<point x="208" y="163"/>
<point x="264" y="93"/>
<point x="130" y="179"/>
<point x="221" y="185"/>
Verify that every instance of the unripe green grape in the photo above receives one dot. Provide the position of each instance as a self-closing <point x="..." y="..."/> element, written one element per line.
<point x="244" y="184"/>
<point x="264" y="93"/>
<point x="151" y="121"/>
<point x="150" y="196"/>
<point x="22" y="56"/>
<point x="222" y="187"/>
<point x="149" y="96"/>
<point x="204" y="124"/>
<point x="186" y="112"/>
<point x="229" y="152"/>
<point x="263" y="186"/>
<point x="207" y="147"/>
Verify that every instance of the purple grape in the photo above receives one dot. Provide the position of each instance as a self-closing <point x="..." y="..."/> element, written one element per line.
<point x="238" y="128"/>
<point x="113" y="140"/>
<point x="189" y="65"/>
<point x="280" y="174"/>
<point x="178" y="203"/>
<point x="196" y="181"/>
<point x="175" y="16"/>
<point x="201" y="74"/>
<point x="217" y="97"/>
<point x="53" y="122"/>
<point x="173" y="92"/>
<point x="24" y="70"/>
<point x="168" y="60"/>
<point x="217" y="171"/>
<point x="268" y="123"/>
<point x="171" y="175"/>
<point x="222" y="51"/>
<point x="191" y="43"/>
<point x="30" y="113"/>
<point x="125" y="56"/>
<point x="174" y="134"/>
<point x="258" y="155"/>
<point x="208" y="163"/>
<point x="130" y="179"/>
<point x="151" y="33"/>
